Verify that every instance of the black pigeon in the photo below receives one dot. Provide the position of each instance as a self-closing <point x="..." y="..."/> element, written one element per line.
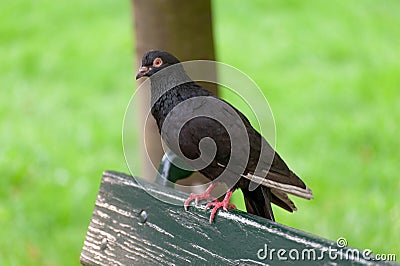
<point x="175" y="99"/>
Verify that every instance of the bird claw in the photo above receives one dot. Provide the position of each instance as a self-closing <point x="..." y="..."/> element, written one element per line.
<point x="197" y="198"/>
<point x="225" y="204"/>
<point x="206" y="195"/>
<point x="219" y="204"/>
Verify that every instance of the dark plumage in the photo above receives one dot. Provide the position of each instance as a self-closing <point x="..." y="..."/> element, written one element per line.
<point x="175" y="96"/>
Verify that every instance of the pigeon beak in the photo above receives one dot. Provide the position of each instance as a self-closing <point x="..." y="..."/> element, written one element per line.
<point x="142" y="72"/>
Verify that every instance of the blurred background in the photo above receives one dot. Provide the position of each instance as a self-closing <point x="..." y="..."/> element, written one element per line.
<point x="330" y="71"/>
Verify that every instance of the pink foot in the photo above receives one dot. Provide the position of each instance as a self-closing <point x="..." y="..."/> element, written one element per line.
<point x="225" y="204"/>
<point x="206" y="195"/>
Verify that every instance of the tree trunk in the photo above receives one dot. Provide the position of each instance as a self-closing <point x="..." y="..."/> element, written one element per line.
<point x="181" y="27"/>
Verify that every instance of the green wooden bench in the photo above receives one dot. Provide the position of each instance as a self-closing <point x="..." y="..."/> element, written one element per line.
<point x="131" y="227"/>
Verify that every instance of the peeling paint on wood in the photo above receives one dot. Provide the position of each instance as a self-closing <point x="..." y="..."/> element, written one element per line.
<point x="130" y="227"/>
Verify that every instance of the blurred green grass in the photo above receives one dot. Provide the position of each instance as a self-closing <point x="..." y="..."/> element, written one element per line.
<point x="330" y="72"/>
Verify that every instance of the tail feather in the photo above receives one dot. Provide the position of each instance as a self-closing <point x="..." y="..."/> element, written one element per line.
<point x="254" y="200"/>
<point x="272" y="181"/>
<point x="281" y="199"/>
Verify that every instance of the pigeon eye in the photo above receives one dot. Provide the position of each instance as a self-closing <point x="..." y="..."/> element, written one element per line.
<point x="157" y="62"/>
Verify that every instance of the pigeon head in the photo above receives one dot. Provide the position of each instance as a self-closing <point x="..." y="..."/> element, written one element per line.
<point x="154" y="61"/>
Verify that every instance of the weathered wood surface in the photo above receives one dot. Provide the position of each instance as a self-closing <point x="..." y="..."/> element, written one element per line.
<point x="131" y="227"/>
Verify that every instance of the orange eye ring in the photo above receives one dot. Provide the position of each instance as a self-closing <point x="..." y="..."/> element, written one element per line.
<point x="157" y="62"/>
